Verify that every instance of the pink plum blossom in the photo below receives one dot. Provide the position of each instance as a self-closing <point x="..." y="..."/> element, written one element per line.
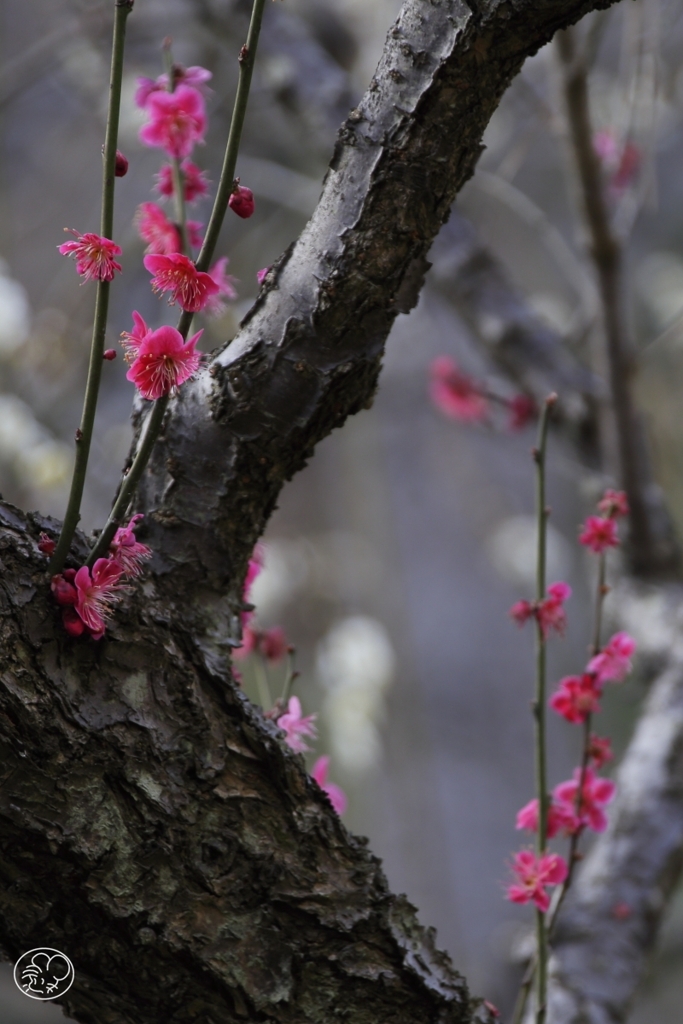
<point x="596" y="793"/>
<point x="249" y="639"/>
<point x="533" y="875"/>
<point x="161" y="233"/>
<point x="549" y="613"/>
<point x="454" y="393"/>
<point x="164" y="361"/>
<point x="241" y="202"/>
<point x="226" y="287"/>
<point x="614" y="504"/>
<point x="195" y="76"/>
<point x="177" y="120"/>
<point x="599" y="533"/>
<point x="94" y="255"/>
<point x="154" y="227"/>
<point x="599" y="751"/>
<point x="177" y="274"/>
<point x="273" y="644"/>
<point x="560" y="818"/>
<point x="131" y="340"/>
<point x="261" y="274"/>
<point x="195" y="182"/>
<point x="613" y="663"/>
<point x="96" y="591"/>
<point x="127" y="551"/>
<point x="336" y="794"/>
<point x="296" y="727"/>
<point x="576" y="697"/>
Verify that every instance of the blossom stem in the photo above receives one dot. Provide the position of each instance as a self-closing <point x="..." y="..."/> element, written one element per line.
<point x="225" y="185"/>
<point x="122" y="9"/>
<point x="130" y="480"/>
<point x="156" y="417"/>
<point x="179" y="203"/>
<point x="542" y="513"/>
<point x="176" y="170"/>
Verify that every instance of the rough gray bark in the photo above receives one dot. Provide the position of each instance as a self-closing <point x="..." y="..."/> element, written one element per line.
<point x="152" y="824"/>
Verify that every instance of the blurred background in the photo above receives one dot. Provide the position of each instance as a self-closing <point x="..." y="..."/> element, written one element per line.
<point x="394" y="557"/>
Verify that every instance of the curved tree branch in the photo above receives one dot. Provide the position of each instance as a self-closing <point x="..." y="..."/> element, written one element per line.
<point x="152" y="824"/>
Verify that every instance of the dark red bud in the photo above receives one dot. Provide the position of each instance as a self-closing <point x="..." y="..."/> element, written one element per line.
<point x="121" y="168"/>
<point x="72" y="622"/>
<point x="109" y="353"/>
<point x="64" y="592"/>
<point x="46" y="544"/>
<point x="241" y="202"/>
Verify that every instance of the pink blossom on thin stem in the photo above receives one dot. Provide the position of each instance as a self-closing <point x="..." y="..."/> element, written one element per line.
<point x="613" y="663"/>
<point x="614" y="504"/>
<point x="177" y="121"/>
<point x="127" y="551"/>
<point x="295" y="726"/>
<point x="560" y="818"/>
<point x="533" y="875"/>
<point x="177" y="274"/>
<point x="336" y="794"/>
<point x="576" y="697"/>
<point x="94" y="255"/>
<point x="154" y="227"/>
<point x="596" y="794"/>
<point x="216" y="304"/>
<point x="195" y="76"/>
<point x="549" y="613"/>
<point x="164" y="361"/>
<point x="96" y="591"/>
<point x="599" y="533"/>
<point x="599" y="751"/>
<point x="195" y="182"/>
<point x="131" y="340"/>
<point x="454" y="393"/>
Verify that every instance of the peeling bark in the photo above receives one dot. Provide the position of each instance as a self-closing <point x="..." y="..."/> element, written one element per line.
<point x="152" y="824"/>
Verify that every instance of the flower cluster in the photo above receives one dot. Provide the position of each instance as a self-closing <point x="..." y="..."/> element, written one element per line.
<point x="86" y="595"/>
<point x="271" y="645"/>
<point x="549" y="613"/>
<point x="459" y="397"/>
<point x="176" y="123"/>
<point x="580" y="802"/>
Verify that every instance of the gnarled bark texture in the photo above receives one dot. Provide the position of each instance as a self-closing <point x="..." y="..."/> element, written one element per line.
<point x="152" y="824"/>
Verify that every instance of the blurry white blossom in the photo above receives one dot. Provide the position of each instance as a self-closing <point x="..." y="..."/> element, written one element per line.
<point x="356" y="664"/>
<point x="14" y="313"/>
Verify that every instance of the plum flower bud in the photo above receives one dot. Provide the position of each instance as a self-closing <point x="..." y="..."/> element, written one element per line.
<point x="241" y="202"/>
<point x="46" y="544"/>
<point x="121" y="167"/>
<point x="109" y="354"/>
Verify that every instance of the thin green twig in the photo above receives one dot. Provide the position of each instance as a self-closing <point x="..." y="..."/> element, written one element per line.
<point x="122" y="9"/>
<point x="539" y="700"/>
<point x="155" y="419"/>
